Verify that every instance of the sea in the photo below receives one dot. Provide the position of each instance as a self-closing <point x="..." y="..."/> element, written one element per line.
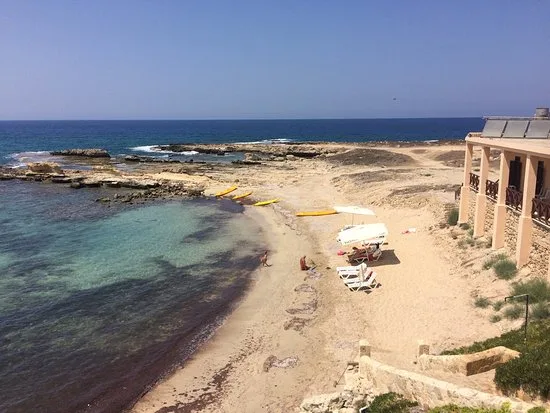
<point x="99" y="302"/>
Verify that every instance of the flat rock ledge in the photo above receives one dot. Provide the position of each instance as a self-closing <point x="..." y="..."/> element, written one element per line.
<point x="346" y="401"/>
<point x="279" y="150"/>
<point x="87" y="153"/>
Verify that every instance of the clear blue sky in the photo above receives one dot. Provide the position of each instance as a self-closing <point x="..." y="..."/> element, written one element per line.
<point x="184" y="59"/>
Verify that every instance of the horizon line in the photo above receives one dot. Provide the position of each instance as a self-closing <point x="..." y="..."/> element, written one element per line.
<point x="231" y="119"/>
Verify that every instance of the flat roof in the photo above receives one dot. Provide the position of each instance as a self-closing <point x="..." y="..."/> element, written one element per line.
<point x="535" y="147"/>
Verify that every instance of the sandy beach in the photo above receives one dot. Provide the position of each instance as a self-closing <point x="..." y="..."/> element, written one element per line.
<point x="293" y="334"/>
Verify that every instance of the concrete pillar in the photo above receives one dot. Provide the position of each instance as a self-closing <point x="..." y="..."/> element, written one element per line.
<point x="525" y="228"/>
<point x="364" y="348"/>
<point x="481" y="198"/>
<point x="499" y="223"/>
<point x="465" y="190"/>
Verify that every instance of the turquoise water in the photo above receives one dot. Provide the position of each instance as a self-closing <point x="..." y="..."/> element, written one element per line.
<point x="97" y="301"/>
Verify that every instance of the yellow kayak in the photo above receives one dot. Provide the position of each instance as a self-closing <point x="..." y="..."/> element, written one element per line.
<point x="316" y="213"/>
<point x="228" y="190"/>
<point x="242" y="195"/>
<point x="261" y="203"/>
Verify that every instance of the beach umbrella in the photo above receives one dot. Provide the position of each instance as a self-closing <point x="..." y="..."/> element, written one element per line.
<point x="354" y="210"/>
<point x="366" y="234"/>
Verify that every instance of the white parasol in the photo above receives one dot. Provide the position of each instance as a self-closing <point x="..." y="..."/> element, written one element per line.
<point x="354" y="210"/>
<point x="367" y="234"/>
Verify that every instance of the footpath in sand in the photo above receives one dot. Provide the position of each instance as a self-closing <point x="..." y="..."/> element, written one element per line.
<point x="294" y="332"/>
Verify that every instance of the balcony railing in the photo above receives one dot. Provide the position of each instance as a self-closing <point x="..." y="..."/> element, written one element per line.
<point x="491" y="189"/>
<point x="541" y="210"/>
<point x="474" y="181"/>
<point x="514" y="198"/>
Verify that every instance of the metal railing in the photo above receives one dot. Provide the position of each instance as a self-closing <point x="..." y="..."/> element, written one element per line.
<point x="541" y="210"/>
<point x="514" y="198"/>
<point x="491" y="189"/>
<point x="474" y="181"/>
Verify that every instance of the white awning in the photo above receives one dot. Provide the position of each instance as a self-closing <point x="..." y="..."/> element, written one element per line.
<point x="367" y="234"/>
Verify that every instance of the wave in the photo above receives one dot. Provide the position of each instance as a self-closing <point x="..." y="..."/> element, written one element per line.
<point x="431" y="141"/>
<point x="21" y="159"/>
<point x="154" y="149"/>
<point x="266" y="141"/>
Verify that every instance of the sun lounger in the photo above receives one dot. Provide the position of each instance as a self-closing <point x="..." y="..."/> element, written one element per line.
<point x="351" y="271"/>
<point x="368" y="284"/>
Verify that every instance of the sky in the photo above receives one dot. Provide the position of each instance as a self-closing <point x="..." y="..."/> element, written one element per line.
<point x="291" y="59"/>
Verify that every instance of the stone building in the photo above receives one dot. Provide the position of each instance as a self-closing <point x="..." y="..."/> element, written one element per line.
<point x="515" y="208"/>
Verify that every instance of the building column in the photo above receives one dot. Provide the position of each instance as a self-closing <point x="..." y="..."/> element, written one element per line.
<point x="481" y="198"/>
<point x="525" y="228"/>
<point x="499" y="223"/>
<point x="465" y="190"/>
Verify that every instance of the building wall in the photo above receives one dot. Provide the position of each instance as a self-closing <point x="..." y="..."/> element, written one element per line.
<point x="540" y="252"/>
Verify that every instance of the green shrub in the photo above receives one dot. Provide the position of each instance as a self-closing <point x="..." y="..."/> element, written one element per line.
<point x="464" y="226"/>
<point x="540" y="311"/>
<point x="537" y="409"/>
<point x="529" y="372"/>
<point x="390" y="403"/>
<point x="497" y="305"/>
<point x="471" y="232"/>
<point x="537" y="288"/>
<point x="495" y="318"/>
<point x="452" y="408"/>
<point x="493" y="260"/>
<point x="452" y="217"/>
<point x="505" y="269"/>
<point x="482" y="302"/>
<point x="514" y="312"/>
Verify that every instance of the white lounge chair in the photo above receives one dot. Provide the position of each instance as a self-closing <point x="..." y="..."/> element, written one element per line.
<point x="368" y="284"/>
<point x="351" y="271"/>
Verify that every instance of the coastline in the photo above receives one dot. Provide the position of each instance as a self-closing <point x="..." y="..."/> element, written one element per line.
<point x="291" y="336"/>
<point x="249" y="336"/>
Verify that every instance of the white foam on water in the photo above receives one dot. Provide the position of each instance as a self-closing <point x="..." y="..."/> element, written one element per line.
<point x="155" y="149"/>
<point x="266" y="141"/>
<point x="23" y="158"/>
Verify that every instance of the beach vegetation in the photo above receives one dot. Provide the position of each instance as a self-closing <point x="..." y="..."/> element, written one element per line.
<point x="537" y="288"/>
<point x="452" y="217"/>
<point x="495" y="318"/>
<point x="493" y="260"/>
<point x="529" y="372"/>
<point x="497" y="305"/>
<point x="514" y="312"/>
<point x="471" y="232"/>
<point x="452" y="408"/>
<point x="505" y="269"/>
<point x="482" y="302"/>
<point x="390" y="403"/>
<point x="540" y="311"/>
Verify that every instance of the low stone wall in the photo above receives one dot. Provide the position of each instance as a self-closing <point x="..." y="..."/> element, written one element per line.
<point x="511" y="230"/>
<point x="540" y="251"/>
<point x="468" y="364"/>
<point x="429" y="392"/>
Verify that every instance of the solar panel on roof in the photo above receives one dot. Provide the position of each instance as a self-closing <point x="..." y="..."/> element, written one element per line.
<point x="538" y="129"/>
<point x="493" y="128"/>
<point x="515" y="129"/>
